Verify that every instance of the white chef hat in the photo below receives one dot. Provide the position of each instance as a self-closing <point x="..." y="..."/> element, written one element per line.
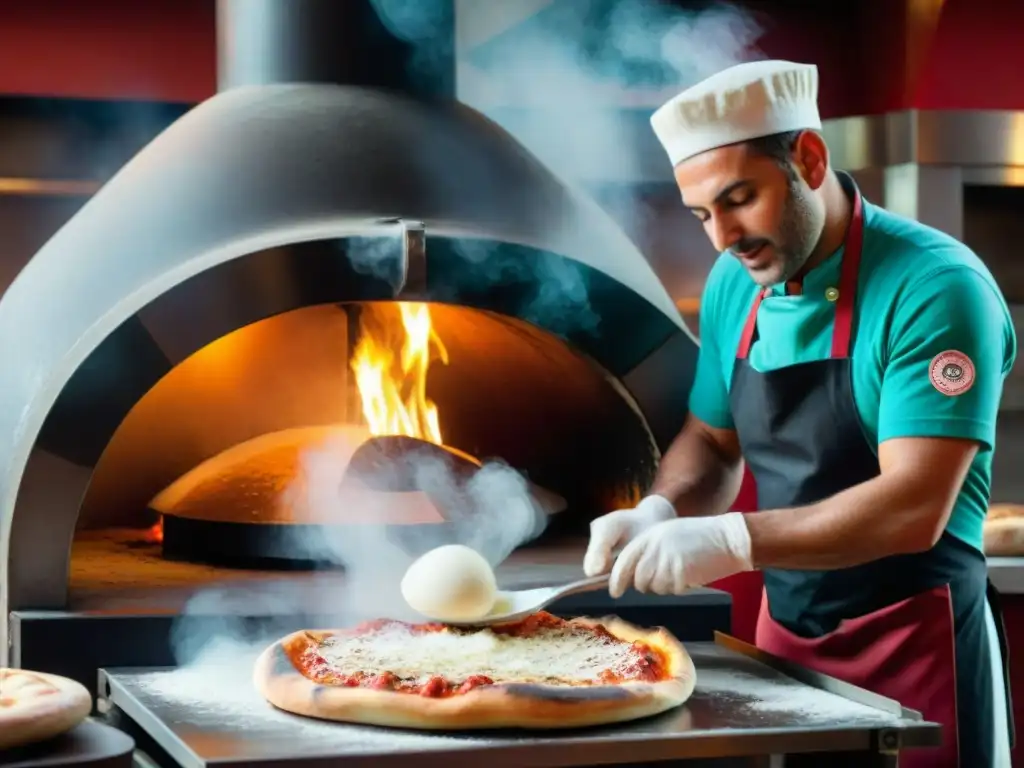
<point x="740" y="103"/>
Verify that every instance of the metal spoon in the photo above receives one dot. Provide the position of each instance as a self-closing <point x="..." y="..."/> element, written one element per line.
<point x="515" y="604"/>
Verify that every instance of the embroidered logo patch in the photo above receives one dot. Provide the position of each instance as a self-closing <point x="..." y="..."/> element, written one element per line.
<point x="951" y="372"/>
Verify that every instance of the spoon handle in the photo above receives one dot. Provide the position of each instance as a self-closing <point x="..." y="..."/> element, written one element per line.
<point x="585" y="585"/>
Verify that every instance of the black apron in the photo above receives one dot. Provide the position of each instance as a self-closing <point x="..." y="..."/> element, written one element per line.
<point x="911" y="627"/>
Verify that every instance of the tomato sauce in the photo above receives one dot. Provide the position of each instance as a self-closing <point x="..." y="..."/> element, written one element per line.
<point x="650" y="664"/>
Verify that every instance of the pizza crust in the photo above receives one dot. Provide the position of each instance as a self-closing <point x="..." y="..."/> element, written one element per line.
<point x="1003" y="531"/>
<point x="35" y="706"/>
<point x="514" y="705"/>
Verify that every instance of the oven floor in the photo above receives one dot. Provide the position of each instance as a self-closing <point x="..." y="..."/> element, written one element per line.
<point x="119" y="570"/>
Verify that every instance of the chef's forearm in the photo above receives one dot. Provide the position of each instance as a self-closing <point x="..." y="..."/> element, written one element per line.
<point x="875" y="519"/>
<point x="701" y="471"/>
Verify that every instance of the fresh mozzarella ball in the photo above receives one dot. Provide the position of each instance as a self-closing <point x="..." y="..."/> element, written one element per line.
<point x="450" y="583"/>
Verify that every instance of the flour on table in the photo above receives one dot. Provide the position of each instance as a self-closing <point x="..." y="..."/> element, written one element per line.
<point x="223" y="696"/>
<point x="781" y="695"/>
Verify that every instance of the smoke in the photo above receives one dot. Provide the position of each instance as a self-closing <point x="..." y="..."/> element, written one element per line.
<point x="562" y="299"/>
<point x="555" y="292"/>
<point x="379" y="257"/>
<point x="427" y="25"/>
<point x="575" y="82"/>
<point x="374" y="527"/>
<point x="420" y="498"/>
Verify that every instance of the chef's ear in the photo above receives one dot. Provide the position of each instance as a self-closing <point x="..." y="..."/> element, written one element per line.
<point x="810" y="156"/>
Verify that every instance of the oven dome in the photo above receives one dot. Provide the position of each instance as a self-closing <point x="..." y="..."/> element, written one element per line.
<point x="255" y="167"/>
<point x="271" y="169"/>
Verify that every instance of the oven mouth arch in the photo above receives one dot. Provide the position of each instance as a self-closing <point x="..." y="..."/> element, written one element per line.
<point x="280" y="393"/>
<point x="640" y="332"/>
<point x="625" y="328"/>
<point x="256" y="168"/>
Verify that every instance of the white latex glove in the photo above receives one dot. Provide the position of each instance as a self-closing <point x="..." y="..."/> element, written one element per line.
<point x="673" y="556"/>
<point x="615" y="529"/>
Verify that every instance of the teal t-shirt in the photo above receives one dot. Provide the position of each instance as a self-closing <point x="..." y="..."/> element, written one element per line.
<point x="920" y="293"/>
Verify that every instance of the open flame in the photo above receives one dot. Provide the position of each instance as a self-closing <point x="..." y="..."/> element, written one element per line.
<point x="392" y="387"/>
<point x="155" y="533"/>
<point x="394" y="392"/>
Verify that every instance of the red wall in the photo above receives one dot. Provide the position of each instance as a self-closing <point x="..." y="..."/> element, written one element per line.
<point x="164" y="50"/>
<point x="976" y="58"/>
<point x="160" y="50"/>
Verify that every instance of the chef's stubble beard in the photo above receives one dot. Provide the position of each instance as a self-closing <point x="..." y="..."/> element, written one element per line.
<point x="799" y="232"/>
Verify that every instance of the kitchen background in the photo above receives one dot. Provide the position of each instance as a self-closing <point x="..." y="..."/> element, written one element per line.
<point x="83" y="85"/>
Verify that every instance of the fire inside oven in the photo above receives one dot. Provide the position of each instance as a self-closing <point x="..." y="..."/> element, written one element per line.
<point x="437" y="424"/>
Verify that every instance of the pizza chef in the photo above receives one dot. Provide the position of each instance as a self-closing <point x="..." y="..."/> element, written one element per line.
<point x="854" y="359"/>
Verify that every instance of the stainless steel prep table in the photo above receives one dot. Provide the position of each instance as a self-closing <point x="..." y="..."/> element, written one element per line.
<point x="743" y="705"/>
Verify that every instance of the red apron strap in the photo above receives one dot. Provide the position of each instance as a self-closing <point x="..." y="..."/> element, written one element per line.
<point x="842" y="328"/>
<point x="750" y="326"/>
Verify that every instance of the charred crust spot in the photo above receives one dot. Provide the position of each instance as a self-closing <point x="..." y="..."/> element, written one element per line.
<point x="281" y="663"/>
<point x="574" y="693"/>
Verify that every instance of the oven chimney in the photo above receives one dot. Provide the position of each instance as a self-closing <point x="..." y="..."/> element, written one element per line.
<point x="397" y="45"/>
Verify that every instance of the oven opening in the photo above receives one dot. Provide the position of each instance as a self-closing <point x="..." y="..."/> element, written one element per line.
<point x="290" y="442"/>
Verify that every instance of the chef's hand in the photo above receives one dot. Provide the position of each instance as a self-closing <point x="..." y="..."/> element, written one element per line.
<point x="617" y="528"/>
<point x="673" y="556"/>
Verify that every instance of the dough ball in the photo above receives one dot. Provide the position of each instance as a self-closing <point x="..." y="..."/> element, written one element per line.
<point x="450" y="583"/>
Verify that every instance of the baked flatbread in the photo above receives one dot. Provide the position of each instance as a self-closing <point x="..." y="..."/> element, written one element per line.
<point x="539" y="673"/>
<point x="35" y="706"/>
<point x="1003" y="531"/>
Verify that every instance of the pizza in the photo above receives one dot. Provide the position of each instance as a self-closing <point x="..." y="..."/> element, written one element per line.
<point x="1003" y="531"/>
<point x="541" y="672"/>
<point x="35" y="706"/>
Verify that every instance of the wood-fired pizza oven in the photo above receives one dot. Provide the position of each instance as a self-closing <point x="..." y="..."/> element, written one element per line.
<point x="216" y="291"/>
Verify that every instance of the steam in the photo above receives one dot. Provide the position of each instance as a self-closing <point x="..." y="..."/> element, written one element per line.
<point x="583" y="77"/>
<point x="379" y="257"/>
<point x="562" y="300"/>
<point x="377" y="533"/>
<point x="575" y="82"/>
<point x="557" y="295"/>
<point x="420" y="503"/>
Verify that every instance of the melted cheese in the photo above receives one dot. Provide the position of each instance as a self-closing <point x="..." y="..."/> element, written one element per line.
<point x="562" y="655"/>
